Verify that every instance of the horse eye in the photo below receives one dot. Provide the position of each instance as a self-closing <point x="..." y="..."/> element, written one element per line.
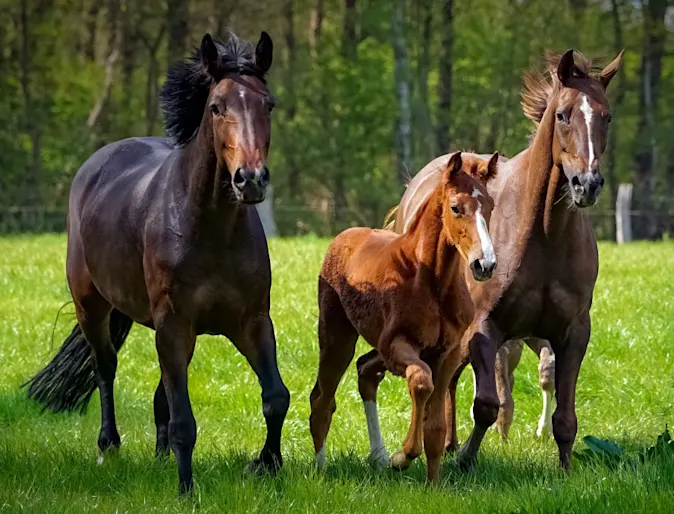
<point x="270" y="107"/>
<point x="456" y="210"/>
<point x="561" y="117"/>
<point x="215" y="110"/>
<point x="608" y="119"/>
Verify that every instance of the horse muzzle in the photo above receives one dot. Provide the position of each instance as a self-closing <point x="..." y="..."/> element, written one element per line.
<point x="585" y="188"/>
<point x="483" y="269"/>
<point x="250" y="185"/>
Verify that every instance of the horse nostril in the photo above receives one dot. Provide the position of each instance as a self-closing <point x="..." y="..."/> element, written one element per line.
<point x="238" y="179"/>
<point x="264" y="177"/>
<point x="601" y="182"/>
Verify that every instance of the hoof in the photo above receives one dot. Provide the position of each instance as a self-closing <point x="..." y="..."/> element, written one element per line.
<point x="400" y="461"/>
<point x="186" y="489"/>
<point x="267" y="464"/>
<point x="378" y="459"/>
<point x="451" y="448"/>
<point x="162" y="451"/>
<point x="543" y="432"/>
<point x="465" y="462"/>
<point x="109" y="443"/>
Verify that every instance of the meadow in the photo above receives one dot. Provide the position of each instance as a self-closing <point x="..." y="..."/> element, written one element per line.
<point x="48" y="461"/>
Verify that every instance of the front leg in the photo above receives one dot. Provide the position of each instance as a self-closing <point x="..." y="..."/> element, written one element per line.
<point x="569" y="356"/>
<point x="258" y="344"/>
<point x="175" y="346"/>
<point x="482" y="348"/>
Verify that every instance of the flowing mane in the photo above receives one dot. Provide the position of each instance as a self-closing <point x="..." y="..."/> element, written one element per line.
<point x="184" y="94"/>
<point x="539" y="87"/>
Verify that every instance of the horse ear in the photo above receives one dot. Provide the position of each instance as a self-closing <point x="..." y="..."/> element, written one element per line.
<point x="209" y="56"/>
<point x="264" y="52"/>
<point x="566" y="67"/>
<point x="492" y="168"/>
<point x="609" y="72"/>
<point x="454" y="165"/>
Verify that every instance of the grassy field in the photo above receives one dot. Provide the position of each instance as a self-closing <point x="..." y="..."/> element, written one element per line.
<point x="48" y="462"/>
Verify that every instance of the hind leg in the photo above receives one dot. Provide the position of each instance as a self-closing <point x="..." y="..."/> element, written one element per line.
<point x="93" y="315"/>
<point x="337" y="341"/>
<point x="371" y="371"/>
<point x="546" y="381"/>
<point x="404" y="360"/>
<point x="161" y="421"/>
<point x="507" y="359"/>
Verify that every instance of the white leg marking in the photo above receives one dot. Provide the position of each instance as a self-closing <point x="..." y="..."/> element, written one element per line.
<point x="472" y="405"/>
<point x="320" y="457"/>
<point x="587" y="112"/>
<point x="378" y="456"/>
<point x="545" y="423"/>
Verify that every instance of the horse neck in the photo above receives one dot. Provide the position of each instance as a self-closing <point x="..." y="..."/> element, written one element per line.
<point x="542" y="212"/>
<point x="207" y="191"/>
<point x="432" y="250"/>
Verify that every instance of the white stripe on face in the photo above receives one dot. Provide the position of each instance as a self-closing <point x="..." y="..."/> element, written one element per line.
<point x="587" y="112"/>
<point x="488" y="254"/>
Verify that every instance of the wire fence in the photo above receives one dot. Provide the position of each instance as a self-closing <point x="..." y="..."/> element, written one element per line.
<point x="293" y="221"/>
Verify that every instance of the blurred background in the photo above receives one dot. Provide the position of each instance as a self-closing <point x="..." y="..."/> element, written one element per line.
<point x="368" y="91"/>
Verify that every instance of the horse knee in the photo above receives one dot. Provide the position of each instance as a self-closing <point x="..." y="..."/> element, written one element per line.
<point x="276" y="404"/>
<point x="420" y="381"/>
<point x="485" y="411"/>
<point x="182" y="434"/>
<point x="564" y="427"/>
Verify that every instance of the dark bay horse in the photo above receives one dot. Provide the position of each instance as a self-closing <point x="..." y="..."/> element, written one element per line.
<point x="163" y="232"/>
<point x="407" y="296"/>
<point x="544" y="243"/>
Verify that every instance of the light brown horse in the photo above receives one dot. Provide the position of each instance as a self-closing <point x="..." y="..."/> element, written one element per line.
<point x="407" y="296"/>
<point x="546" y="249"/>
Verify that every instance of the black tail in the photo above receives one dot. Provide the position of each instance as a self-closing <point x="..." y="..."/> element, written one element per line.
<point x="68" y="381"/>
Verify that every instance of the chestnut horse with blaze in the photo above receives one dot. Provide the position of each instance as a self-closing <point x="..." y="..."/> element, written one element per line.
<point x="547" y="252"/>
<point x="163" y="232"/>
<point x="406" y="296"/>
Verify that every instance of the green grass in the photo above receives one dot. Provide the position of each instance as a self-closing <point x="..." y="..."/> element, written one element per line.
<point x="48" y="461"/>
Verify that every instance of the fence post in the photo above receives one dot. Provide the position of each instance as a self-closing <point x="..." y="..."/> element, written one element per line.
<point x="266" y="212"/>
<point x="623" y="220"/>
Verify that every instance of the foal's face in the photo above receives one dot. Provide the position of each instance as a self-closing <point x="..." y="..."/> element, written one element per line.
<point x="467" y="211"/>
<point x="240" y="108"/>
<point x="582" y="118"/>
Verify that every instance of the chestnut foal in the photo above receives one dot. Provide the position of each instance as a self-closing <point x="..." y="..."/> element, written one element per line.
<point x="407" y="296"/>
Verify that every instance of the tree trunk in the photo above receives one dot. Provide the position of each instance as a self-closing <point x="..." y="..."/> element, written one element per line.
<point x="442" y="134"/>
<point x="33" y="175"/>
<point x="290" y="101"/>
<point x="349" y="38"/>
<point x="92" y="17"/>
<point x="152" y="77"/>
<point x="404" y="119"/>
<point x="177" y="18"/>
<point x="646" y="155"/>
<point x="426" y="147"/>
<point x="316" y="27"/>
<point x="618" y="88"/>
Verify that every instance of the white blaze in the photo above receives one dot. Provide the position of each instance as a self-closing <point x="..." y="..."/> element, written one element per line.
<point x="587" y="112"/>
<point x="488" y="253"/>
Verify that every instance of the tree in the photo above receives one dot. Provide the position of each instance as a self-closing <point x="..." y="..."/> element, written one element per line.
<point x="445" y="80"/>
<point x="404" y="119"/>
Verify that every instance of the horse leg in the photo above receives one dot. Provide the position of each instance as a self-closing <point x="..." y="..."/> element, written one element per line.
<point x="482" y="348"/>
<point x="258" y="344"/>
<point x="404" y="360"/>
<point x="452" y="440"/>
<point x="435" y="424"/>
<point x="175" y="340"/>
<point x="569" y="357"/>
<point x="161" y="420"/>
<point x="371" y="370"/>
<point x="337" y="341"/>
<point x="507" y="359"/>
<point x="546" y="381"/>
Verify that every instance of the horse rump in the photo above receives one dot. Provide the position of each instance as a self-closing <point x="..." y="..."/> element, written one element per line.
<point x="68" y="381"/>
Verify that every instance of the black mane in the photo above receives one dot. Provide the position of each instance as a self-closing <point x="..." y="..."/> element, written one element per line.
<point x="184" y="94"/>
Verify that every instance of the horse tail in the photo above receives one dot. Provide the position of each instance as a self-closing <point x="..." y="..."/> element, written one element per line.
<point x="390" y="218"/>
<point x="68" y="381"/>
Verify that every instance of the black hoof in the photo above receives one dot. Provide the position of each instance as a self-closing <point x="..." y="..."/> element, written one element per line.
<point x="466" y="464"/>
<point x="186" y="489"/>
<point x="162" y="449"/>
<point x="109" y="442"/>
<point x="266" y="463"/>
